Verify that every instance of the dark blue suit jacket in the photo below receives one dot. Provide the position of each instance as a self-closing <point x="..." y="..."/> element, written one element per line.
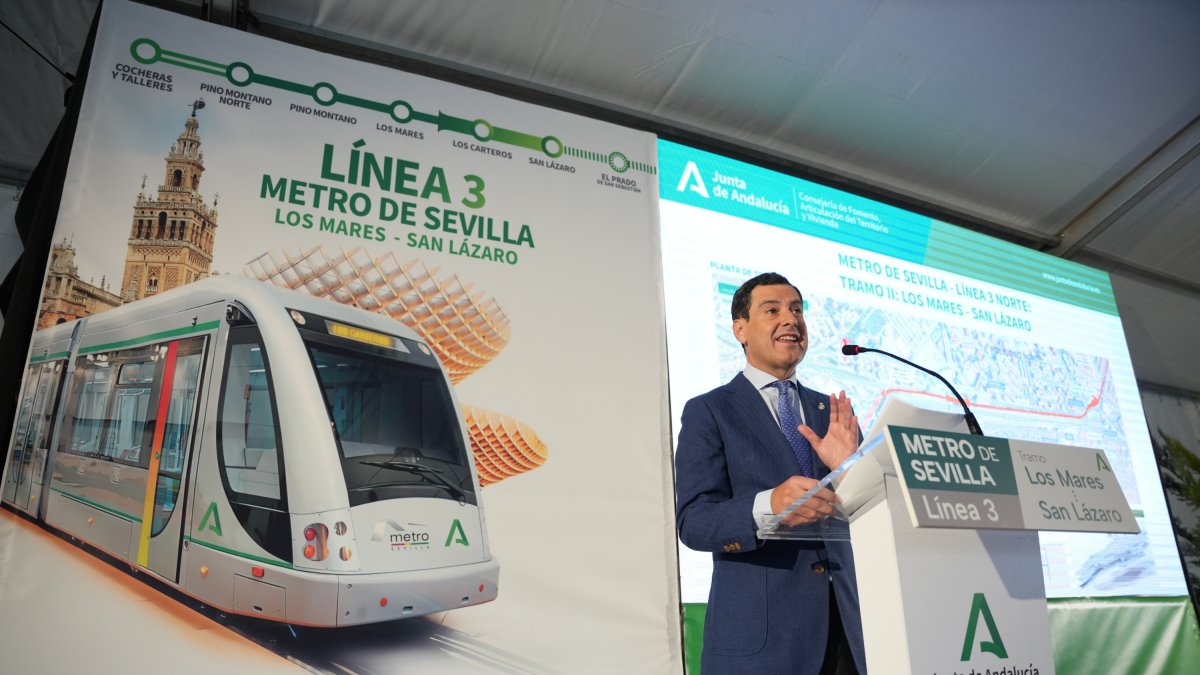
<point x="768" y="607"/>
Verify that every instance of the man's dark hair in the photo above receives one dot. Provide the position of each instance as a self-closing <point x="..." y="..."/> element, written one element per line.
<point x="741" y="297"/>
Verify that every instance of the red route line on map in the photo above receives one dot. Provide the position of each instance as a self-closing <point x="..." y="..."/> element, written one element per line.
<point x="944" y="397"/>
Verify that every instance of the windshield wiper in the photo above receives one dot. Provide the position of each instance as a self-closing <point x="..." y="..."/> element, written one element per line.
<point x="431" y="474"/>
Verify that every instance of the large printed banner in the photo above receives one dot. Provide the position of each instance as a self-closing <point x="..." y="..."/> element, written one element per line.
<point x="519" y="242"/>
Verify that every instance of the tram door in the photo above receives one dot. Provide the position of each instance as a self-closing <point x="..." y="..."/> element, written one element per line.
<point x="172" y="432"/>
<point x="32" y="432"/>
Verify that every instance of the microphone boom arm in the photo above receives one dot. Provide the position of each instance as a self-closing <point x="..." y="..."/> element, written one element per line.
<point x="972" y="423"/>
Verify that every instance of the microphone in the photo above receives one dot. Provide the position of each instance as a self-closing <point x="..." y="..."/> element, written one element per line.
<point x="972" y="423"/>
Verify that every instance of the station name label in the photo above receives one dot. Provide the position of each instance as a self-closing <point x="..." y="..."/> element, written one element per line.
<point x="959" y="480"/>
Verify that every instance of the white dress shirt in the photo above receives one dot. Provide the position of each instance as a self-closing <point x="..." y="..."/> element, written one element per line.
<point x="762" y="382"/>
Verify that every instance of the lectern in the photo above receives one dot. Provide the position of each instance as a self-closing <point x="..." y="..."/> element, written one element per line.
<point x="944" y="526"/>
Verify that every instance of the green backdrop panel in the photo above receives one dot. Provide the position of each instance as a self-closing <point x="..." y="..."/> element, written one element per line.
<point x="1125" y="635"/>
<point x="693" y="635"/>
<point x="1115" y="636"/>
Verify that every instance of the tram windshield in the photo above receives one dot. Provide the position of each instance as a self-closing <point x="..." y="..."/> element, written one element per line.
<point x="398" y="431"/>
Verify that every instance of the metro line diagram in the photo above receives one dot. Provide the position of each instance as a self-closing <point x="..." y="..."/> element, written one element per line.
<point x="399" y="111"/>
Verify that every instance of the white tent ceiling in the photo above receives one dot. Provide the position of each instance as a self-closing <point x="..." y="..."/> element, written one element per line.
<point x="1071" y="126"/>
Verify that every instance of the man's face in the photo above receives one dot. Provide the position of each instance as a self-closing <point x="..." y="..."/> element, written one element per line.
<point x="775" y="335"/>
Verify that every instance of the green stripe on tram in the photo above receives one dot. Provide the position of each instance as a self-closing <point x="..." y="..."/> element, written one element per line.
<point x="207" y="544"/>
<point x="97" y="505"/>
<point x="161" y="335"/>
<point x="49" y="357"/>
<point x="240" y="554"/>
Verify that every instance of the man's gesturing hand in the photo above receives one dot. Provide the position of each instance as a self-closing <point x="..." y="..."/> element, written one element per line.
<point x="842" y="438"/>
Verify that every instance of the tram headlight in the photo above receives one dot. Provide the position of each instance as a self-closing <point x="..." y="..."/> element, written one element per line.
<point x="317" y="537"/>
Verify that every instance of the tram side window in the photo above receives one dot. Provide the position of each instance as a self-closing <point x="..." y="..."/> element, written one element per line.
<point x="249" y="427"/>
<point x="124" y="438"/>
<point x="128" y="433"/>
<point x="34" y="427"/>
<point x="23" y="442"/>
<point x="110" y="418"/>
<point x="94" y="392"/>
<point x="177" y="430"/>
<point x="43" y="406"/>
<point x="248" y="445"/>
<point x="24" y="427"/>
<point x="182" y="406"/>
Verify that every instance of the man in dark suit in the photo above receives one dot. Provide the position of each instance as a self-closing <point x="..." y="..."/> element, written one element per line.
<point x="744" y="452"/>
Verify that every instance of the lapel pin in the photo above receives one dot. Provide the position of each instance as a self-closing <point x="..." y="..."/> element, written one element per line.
<point x="821" y="405"/>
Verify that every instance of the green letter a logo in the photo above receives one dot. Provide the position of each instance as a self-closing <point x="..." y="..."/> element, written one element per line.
<point x="979" y="607"/>
<point x="462" y="536"/>
<point x="216" y="519"/>
<point x="1101" y="464"/>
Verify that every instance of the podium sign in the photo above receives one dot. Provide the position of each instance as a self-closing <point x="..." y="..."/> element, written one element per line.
<point x="946" y="601"/>
<point x="956" y="480"/>
<point x="944" y="525"/>
<point x="944" y="530"/>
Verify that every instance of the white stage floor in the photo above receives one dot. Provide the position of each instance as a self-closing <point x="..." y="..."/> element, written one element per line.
<point x="64" y="611"/>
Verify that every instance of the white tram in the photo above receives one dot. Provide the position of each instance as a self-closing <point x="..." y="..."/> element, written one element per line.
<point x="263" y="451"/>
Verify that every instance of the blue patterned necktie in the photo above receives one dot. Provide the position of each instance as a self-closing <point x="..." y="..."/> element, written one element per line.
<point x="788" y="421"/>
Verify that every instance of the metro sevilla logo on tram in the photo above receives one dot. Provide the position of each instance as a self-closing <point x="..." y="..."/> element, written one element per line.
<point x="405" y="539"/>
